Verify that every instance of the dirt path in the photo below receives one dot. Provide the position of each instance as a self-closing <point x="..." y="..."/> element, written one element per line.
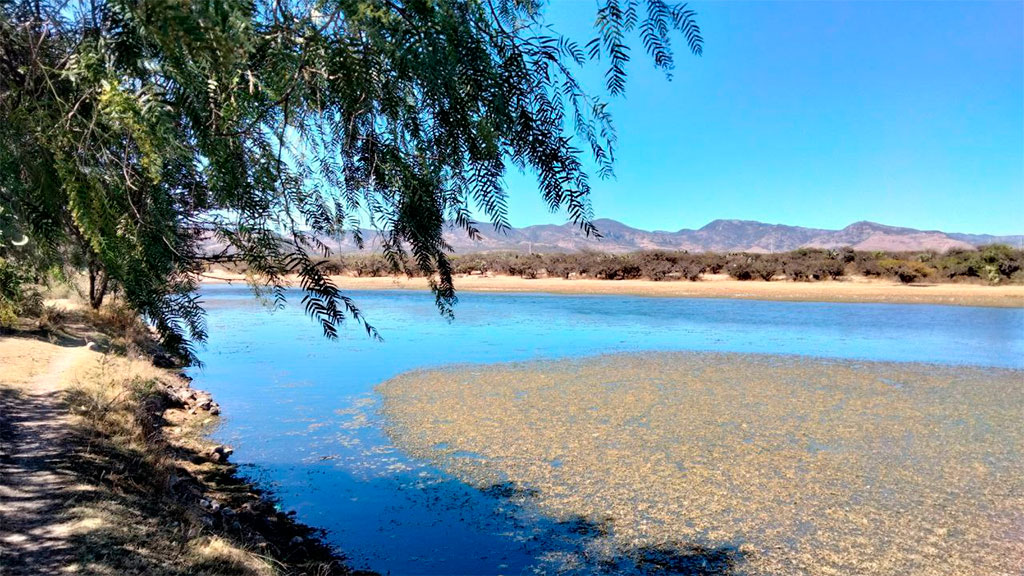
<point x="36" y="479"/>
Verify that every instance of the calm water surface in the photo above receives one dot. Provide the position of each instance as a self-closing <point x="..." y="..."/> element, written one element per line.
<point x="301" y="413"/>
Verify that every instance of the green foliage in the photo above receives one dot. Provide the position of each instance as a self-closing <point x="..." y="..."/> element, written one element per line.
<point x="998" y="262"/>
<point x="17" y="296"/>
<point x="133" y="133"/>
<point x="993" y="264"/>
<point x="10" y="294"/>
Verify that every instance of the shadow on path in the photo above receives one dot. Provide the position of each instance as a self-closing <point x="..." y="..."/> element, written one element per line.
<point x="36" y="483"/>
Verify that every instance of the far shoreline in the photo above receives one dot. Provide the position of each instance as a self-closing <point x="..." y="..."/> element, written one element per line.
<point x="850" y="290"/>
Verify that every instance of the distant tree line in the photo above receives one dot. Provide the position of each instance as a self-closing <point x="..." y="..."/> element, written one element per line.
<point x="991" y="264"/>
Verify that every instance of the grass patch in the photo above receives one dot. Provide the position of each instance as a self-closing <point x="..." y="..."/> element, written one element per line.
<point x="132" y="520"/>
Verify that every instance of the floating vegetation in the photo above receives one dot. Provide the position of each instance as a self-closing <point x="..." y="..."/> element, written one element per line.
<point x="729" y="463"/>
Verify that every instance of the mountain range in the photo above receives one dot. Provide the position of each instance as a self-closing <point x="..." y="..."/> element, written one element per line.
<point x="717" y="236"/>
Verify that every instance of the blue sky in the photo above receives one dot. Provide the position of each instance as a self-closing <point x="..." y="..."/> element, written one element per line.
<point x="819" y="114"/>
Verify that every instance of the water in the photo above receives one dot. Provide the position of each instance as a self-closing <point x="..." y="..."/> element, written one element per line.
<point x="300" y="410"/>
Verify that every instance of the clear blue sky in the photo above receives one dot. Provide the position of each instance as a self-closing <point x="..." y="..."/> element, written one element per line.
<point x="820" y="114"/>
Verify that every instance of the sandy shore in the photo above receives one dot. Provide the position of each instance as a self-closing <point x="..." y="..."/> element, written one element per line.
<point x="719" y="286"/>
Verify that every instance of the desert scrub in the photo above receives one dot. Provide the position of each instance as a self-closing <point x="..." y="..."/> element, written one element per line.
<point x="992" y="264"/>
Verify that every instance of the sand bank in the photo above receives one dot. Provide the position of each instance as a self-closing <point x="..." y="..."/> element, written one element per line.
<point x="719" y="286"/>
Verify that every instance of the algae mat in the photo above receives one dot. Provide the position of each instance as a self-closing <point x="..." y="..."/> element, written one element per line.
<point x="774" y="464"/>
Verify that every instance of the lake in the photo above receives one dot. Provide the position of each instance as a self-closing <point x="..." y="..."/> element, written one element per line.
<point x="302" y="414"/>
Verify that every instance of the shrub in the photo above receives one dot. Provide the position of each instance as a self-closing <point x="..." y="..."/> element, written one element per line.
<point x="868" y="264"/>
<point x="333" y="266"/>
<point x="371" y="265"/>
<point x="17" y="297"/>
<point x="906" y="271"/>
<point x="714" y="263"/>
<point x="692" y="269"/>
<point x="766" y="267"/>
<point x="999" y="261"/>
<point x="470" y="263"/>
<point x="657" y="265"/>
<point x="992" y="263"/>
<point x="660" y="265"/>
<point x="811" y="264"/>
<point x="741" y="267"/>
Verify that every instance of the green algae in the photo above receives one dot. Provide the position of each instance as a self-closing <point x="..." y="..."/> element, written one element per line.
<point x="806" y="466"/>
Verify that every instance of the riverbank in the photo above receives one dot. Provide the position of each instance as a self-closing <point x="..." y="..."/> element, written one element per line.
<point x="854" y="289"/>
<point x="106" y="469"/>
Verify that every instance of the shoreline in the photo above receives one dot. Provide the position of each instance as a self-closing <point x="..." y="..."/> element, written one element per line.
<point x="132" y="446"/>
<point x="852" y="290"/>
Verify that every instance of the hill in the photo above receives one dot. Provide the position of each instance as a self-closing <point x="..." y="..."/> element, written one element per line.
<point x="717" y="236"/>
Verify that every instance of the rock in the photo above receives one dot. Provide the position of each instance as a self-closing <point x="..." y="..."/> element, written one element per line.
<point x="183" y="395"/>
<point x="161" y="360"/>
<point x="220" y="453"/>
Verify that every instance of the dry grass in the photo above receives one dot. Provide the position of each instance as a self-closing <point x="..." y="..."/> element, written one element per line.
<point x="803" y="466"/>
<point x="219" y="553"/>
<point x="130" y="524"/>
<point x="121" y="480"/>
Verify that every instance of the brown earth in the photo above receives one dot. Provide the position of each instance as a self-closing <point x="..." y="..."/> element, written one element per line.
<point x="35" y="480"/>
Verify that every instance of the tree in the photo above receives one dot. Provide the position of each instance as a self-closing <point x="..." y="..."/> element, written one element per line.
<point x="144" y="131"/>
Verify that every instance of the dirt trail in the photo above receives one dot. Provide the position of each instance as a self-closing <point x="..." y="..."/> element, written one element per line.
<point x="36" y="479"/>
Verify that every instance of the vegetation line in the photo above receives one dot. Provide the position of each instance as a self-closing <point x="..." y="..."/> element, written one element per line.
<point x="993" y="264"/>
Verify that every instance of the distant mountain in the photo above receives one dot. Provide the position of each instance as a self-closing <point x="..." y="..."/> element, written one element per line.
<point x="717" y="236"/>
<point x="983" y="239"/>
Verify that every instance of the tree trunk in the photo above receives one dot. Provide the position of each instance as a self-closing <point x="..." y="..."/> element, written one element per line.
<point x="97" y="285"/>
